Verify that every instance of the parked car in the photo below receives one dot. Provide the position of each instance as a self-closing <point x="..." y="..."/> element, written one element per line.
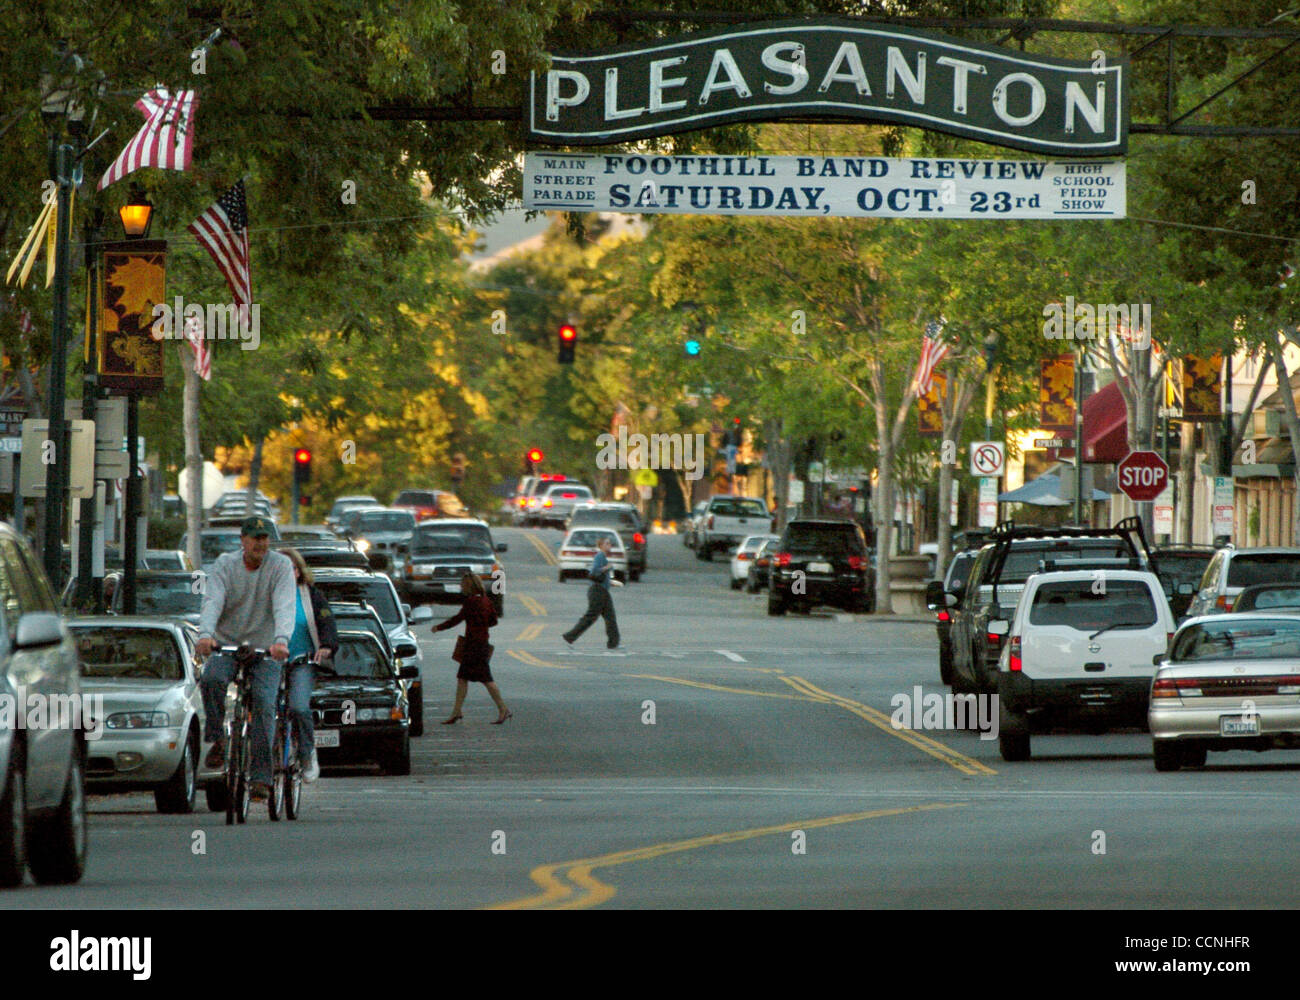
<point x="759" y="576"/>
<point x="236" y="522"/>
<point x="555" y="501"/>
<point x="426" y="504"/>
<point x="164" y="595"/>
<point x="997" y="579"/>
<point x="727" y="521"/>
<point x="1232" y="569"/>
<point x="359" y="708"/>
<point x="308" y="534"/>
<point x="344" y="504"/>
<point x="579" y="548"/>
<point x="1268" y="597"/>
<point x="1079" y="656"/>
<point x="383" y="535"/>
<point x="1230" y="682"/>
<point x="744" y="556"/>
<point x="42" y="770"/>
<point x="167" y="559"/>
<point x="1180" y="568"/>
<point x="146" y="671"/>
<point x="954" y="579"/>
<point x="361" y="617"/>
<point x="214" y="542"/>
<point x="623" y="518"/>
<point x="690" y="537"/>
<point x="442" y="552"/>
<point x="821" y="562"/>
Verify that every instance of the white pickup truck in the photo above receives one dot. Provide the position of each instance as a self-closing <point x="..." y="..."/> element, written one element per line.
<point x="727" y="521"/>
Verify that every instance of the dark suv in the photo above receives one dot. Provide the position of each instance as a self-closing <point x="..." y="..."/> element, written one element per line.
<point x="953" y="580"/>
<point x="822" y="562"/>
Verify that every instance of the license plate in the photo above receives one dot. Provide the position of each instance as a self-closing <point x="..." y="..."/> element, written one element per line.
<point x="327" y="737"/>
<point x="819" y="567"/>
<point x="451" y="588"/>
<point x="1239" y="725"/>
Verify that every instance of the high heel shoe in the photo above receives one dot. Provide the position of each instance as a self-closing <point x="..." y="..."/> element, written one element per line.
<point x="508" y="715"/>
<point x="455" y="718"/>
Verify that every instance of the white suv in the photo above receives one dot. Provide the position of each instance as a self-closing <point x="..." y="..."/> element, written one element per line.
<point x="1232" y="570"/>
<point x="1080" y="654"/>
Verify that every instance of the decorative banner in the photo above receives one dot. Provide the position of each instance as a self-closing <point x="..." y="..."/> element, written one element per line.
<point x="859" y="186"/>
<point x="133" y="278"/>
<point x="929" y="408"/>
<point x="835" y="70"/>
<point x="1056" y="395"/>
<point x="1202" y="387"/>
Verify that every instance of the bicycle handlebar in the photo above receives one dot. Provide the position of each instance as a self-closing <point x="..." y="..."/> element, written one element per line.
<point x="259" y="654"/>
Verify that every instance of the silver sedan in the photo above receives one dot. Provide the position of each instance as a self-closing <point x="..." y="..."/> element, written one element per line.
<point x="1229" y="682"/>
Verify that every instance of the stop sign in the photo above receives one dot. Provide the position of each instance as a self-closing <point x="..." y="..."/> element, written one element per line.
<point x="1142" y="475"/>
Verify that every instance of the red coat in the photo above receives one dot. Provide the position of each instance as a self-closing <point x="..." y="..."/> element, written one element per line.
<point x="478" y="614"/>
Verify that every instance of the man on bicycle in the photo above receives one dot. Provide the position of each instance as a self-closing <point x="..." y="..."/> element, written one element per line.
<point x="249" y="599"/>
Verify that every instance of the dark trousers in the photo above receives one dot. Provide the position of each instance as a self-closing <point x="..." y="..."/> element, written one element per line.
<point x="599" y="605"/>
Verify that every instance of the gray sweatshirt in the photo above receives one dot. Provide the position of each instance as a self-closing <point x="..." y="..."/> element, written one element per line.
<point x="255" y="607"/>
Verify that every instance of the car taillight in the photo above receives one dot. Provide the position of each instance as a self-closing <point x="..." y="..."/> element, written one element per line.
<point x="1015" y="653"/>
<point x="855" y="562"/>
<point x="783" y="559"/>
<point x="523" y="501"/>
<point x="1223" y="603"/>
<point x="546" y="503"/>
<point x="742" y="556"/>
<point x="1164" y="687"/>
<point x="943" y="616"/>
<point x="994" y="640"/>
<point x="638" y="539"/>
<point x="710" y="524"/>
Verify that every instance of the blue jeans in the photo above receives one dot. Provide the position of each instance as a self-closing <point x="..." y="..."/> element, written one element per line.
<point x="217" y="674"/>
<point x="301" y="680"/>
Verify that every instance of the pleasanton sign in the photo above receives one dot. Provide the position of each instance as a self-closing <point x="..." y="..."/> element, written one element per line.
<point x="835" y="70"/>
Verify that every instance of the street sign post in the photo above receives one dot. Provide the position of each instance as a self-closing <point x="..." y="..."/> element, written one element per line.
<point x="1142" y="475"/>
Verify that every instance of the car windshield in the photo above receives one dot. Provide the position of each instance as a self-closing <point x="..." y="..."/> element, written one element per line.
<point x="392" y="520"/>
<point x="377" y="593"/>
<point x="127" y="653"/>
<point x="216" y="544"/>
<point x="564" y="492"/>
<point x="341" y="505"/>
<point x="1081" y="605"/>
<point x="307" y="535"/>
<point x="587" y="540"/>
<point x="1276" y="567"/>
<point x="753" y="543"/>
<point x="1179" y="569"/>
<point x="462" y="539"/>
<point x="823" y="539"/>
<point x="1021" y="562"/>
<point x="959" y="568"/>
<point x="352" y="621"/>
<point x="618" y="519"/>
<point x="169" y="596"/>
<point x="1271" y="638"/>
<point x="738" y="508"/>
<point x="414" y="498"/>
<point x="358" y="657"/>
<point x="1269" y="597"/>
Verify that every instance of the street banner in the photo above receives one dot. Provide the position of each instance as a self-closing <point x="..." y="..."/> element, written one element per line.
<point x="1202" y="387"/>
<point x="1056" y="395"/>
<point x="851" y="186"/>
<point x="832" y="69"/>
<point x="133" y="277"/>
<point x="929" y="408"/>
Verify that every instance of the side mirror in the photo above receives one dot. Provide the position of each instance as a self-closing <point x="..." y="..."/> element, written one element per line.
<point x="934" y="595"/>
<point x="405" y="650"/>
<point x="999" y="626"/>
<point x="409" y="673"/>
<point x="406" y="611"/>
<point x="423" y="613"/>
<point x="502" y="547"/>
<point x="1159" y="660"/>
<point x="38" y="628"/>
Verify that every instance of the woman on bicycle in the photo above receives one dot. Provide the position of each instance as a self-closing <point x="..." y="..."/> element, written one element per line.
<point x="316" y="635"/>
<point x="479" y="616"/>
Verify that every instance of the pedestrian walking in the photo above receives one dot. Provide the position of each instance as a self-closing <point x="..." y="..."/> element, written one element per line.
<point x="475" y="652"/>
<point x="599" y="603"/>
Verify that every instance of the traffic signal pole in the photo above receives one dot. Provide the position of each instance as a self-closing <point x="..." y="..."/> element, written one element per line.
<point x="294" y="518"/>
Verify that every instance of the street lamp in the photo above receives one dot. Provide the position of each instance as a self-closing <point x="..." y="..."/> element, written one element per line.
<point x="136" y="215"/>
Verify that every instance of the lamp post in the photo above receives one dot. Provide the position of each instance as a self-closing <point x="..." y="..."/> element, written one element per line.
<point x="87" y="585"/>
<point x="136" y="215"/>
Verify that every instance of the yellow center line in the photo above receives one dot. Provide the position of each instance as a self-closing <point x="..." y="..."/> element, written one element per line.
<point x="590" y="891"/>
<point x="540" y="546"/>
<point x="530" y="631"/>
<point x="533" y="605"/>
<point x="720" y="687"/>
<point x="951" y="757"/>
<point x="525" y="657"/>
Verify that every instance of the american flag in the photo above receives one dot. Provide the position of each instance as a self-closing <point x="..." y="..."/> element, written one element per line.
<point x="933" y="350"/>
<point x="165" y="140"/>
<point x="223" y="231"/>
<point x="202" y="356"/>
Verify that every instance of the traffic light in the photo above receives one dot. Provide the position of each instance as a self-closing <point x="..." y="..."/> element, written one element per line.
<point x="568" y="340"/>
<point x="692" y="348"/>
<point x="301" y="466"/>
<point x="533" y="458"/>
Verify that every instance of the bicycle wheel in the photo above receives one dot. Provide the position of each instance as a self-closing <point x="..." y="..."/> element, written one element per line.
<point x="275" y="801"/>
<point x="293" y="780"/>
<point x="243" y="790"/>
<point x="232" y="772"/>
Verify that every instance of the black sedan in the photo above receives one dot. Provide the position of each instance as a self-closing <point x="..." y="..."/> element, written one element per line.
<point x="359" y="708"/>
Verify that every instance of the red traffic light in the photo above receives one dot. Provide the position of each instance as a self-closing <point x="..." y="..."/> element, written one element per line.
<point x="535" y="455"/>
<point x="567" y="332"/>
<point x="302" y="456"/>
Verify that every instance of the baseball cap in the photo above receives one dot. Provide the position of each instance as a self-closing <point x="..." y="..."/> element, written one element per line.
<point x="255" y="526"/>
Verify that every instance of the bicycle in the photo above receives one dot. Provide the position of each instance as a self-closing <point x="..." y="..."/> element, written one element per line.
<point x="286" y="770"/>
<point x="239" y="716"/>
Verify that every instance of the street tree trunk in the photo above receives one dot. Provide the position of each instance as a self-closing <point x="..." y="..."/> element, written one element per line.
<point x="255" y="471"/>
<point x="1292" y="425"/>
<point x="956" y="404"/>
<point x="1187" y="481"/>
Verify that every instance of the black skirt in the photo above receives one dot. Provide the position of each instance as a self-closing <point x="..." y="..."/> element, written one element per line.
<point x="475" y="666"/>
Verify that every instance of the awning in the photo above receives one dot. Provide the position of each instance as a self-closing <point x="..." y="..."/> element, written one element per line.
<point x="1045" y="491"/>
<point x="1105" y="425"/>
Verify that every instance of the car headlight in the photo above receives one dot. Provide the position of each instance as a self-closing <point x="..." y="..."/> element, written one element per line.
<point x="483" y="569"/>
<point x="363" y="545"/>
<point x="137" y="720"/>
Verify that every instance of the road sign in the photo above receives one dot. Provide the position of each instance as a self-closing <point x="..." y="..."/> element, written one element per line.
<point x="81" y="460"/>
<point x="1050" y="442"/>
<point x="1142" y="475"/>
<point x="816" y="472"/>
<point x="1224" y="488"/>
<point x="1163" y="513"/>
<point x="794" y="493"/>
<point x="987" y="458"/>
<point x="988" y="502"/>
<point x="645" y="477"/>
<point x="211" y="480"/>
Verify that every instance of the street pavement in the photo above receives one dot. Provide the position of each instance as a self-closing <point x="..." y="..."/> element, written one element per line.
<point x="720" y="758"/>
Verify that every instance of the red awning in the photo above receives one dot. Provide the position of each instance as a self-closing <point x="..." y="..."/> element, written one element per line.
<point x="1105" y="425"/>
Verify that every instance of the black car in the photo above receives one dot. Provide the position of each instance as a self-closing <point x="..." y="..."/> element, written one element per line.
<point x="1180" y="568"/>
<point x="359" y="707"/>
<point x="958" y="569"/>
<point x="759" y="576"/>
<point x="443" y="551"/>
<point x="822" y="562"/>
<point x="1268" y="597"/>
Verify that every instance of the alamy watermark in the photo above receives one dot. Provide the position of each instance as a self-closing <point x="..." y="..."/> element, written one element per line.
<point x="920" y="711"/>
<point x="38" y="712"/>
<point x="211" y="321"/>
<point x="1085" y="321"/>
<point x="658" y="451"/>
